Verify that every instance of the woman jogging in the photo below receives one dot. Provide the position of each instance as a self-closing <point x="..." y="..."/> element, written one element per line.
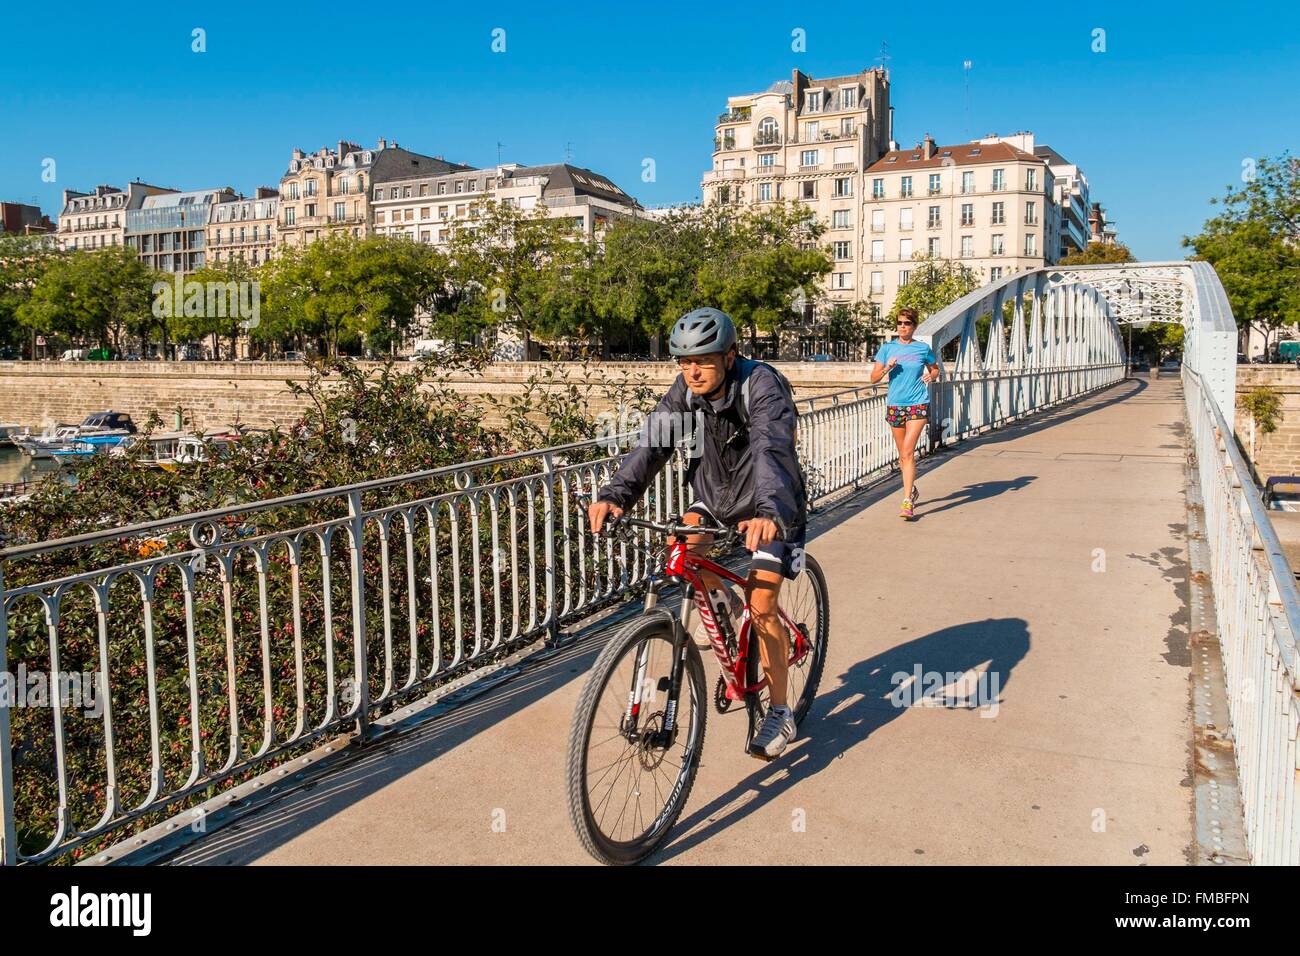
<point x="911" y="366"/>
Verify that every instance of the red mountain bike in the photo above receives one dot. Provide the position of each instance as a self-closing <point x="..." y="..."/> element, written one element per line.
<point x="636" y="738"/>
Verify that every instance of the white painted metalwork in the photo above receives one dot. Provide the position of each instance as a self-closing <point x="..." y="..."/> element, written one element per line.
<point x="417" y="580"/>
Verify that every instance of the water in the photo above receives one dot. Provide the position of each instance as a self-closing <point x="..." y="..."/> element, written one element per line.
<point x="15" y="466"/>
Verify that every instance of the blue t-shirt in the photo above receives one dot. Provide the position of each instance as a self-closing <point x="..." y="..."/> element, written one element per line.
<point x="905" y="385"/>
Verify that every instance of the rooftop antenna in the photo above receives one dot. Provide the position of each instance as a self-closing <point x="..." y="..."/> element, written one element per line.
<point x="965" y="69"/>
<point x="500" y="146"/>
<point x="884" y="57"/>
<point x="568" y="152"/>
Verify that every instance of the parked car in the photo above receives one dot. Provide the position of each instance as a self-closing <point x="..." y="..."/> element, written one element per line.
<point x="295" y="357"/>
<point x="822" y="357"/>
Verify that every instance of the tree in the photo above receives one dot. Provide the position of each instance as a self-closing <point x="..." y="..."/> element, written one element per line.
<point x="756" y="260"/>
<point x="97" y="296"/>
<point x="1254" y="246"/>
<point x="934" y="285"/>
<point x="1099" y="253"/>
<point x="219" y="318"/>
<point x="511" y="265"/>
<point x="23" y="260"/>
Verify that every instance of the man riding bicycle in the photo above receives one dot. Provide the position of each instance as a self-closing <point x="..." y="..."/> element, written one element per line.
<point x="744" y="471"/>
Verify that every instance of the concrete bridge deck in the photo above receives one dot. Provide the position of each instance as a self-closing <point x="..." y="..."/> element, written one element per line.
<point x="1049" y="554"/>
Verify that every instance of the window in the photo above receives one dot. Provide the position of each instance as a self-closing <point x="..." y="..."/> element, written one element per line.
<point x="764" y="192"/>
<point x="877" y="189"/>
<point x="410" y="214"/>
<point x="840" y="219"/>
<point x="843" y="188"/>
<point x="904" y="249"/>
<point x="934" y="221"/>
<point x="311" y="187"/>
<point x="392" y="193"/>
<point x="767" y="159"/>
<point x="379" y="217"/>
<point x="1031" y="214"/>
<point x="849" y="98"/>
<point x="842" y="280"/>
<point x="877" y="282"/>
<point x="309" y="209"/>
<point x="846" y="126"/>
<point x="379" y="192"/>
<point x="812" y="101"/>
<point x="842" y="251"/>
<point x="406" y="192"/>
<point x="999" y="180"/>
<point x="968" y="181"/>
<point x="936" y="183"/>
<point x="967" y="246"/>
<point x="460" y="185"/>
<point x="344" y="185"/>
<point x="967" y="214"/>
<point x="811" y="131"/>
<point x="904" y="277"/>
<point x="905" y="218"/>
<point x="424" y="212"/>
<point x="340" y="212"/>
<point x="293" y="190"/>
<point x="766" y="132"/>
<point x="905" y="187"/>
<point x="442" y="212"/>
<point x="808" y="189"/>
<point x="999" y="216"/>
<point x="995" y="246"/>
<point x="995" y="273"/>
<point x="877" y="220"/>
<point x="460" y="209"/>
<point x="1031" y="180"/>
<point x="1031" y="245"/>
<point x="808" y="157"/>
<point x="933" y="250"/>
<point x="424" y="236"/>
<point x="288" y="216"/>
<point x="442" y="189"/>
<point x="424" y="191"/>
<point x="877" y="250"/>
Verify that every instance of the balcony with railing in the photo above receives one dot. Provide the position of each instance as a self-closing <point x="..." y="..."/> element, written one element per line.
<point x="724" y="175"/>
<point x="742" y="115"/>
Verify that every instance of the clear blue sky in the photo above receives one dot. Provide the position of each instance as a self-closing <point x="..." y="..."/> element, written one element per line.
<point x="1160" y="121"/>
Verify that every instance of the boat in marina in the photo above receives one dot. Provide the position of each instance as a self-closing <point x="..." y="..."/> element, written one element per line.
<point x="171" y="451"/>
<point x="7" y="432"/>
<point x="107" y="428"/>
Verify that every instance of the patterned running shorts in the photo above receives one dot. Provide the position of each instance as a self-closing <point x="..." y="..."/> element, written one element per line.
<point x="899" y="415"/>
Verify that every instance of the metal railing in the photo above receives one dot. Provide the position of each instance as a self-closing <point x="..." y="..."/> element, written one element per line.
<point x="1258" y="610"/>
<point x="230" y="639"/>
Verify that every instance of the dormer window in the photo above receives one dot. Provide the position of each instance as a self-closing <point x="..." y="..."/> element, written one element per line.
<point x="849" y="98"/>
<point x="812" y="101"/>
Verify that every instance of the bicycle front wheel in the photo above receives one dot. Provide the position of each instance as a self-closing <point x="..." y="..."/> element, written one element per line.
<point x="628" y="776"/>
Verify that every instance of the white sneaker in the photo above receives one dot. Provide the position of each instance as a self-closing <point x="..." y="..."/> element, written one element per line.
<point x="776" y="730"/>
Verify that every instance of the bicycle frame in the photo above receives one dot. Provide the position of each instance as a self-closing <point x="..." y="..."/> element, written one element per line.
<point x="689" y="567"/>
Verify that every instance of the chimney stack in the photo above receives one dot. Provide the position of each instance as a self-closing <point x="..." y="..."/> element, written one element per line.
<point x="929" y="146"/>
<point x="382" y="144"/>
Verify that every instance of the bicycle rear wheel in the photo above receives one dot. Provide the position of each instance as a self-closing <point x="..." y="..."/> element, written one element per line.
<point x="628" y="779"/>
<point x="805" y="601"/>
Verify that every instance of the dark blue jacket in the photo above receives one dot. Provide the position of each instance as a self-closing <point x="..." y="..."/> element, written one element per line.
<point x="746" y="464"/>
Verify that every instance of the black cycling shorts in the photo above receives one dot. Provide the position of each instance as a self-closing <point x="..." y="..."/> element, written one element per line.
<point x="783" y="557"/>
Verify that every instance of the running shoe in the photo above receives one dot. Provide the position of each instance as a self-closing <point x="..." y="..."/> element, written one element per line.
<point x="776" y="730"/>
<point x="906" y="512"/>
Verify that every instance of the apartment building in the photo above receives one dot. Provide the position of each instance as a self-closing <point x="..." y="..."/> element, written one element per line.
<point x="431" y="208"/>
<point x="810" y="140"/>
<point x="330" y="189"/>
<point x="1100" y="227"/>
<point x="20" y="219"/>
<point x="244" y="229"/>
<point x="169" y="230"/>
<point x="97" y="219"/>
<point x="986" y="204"/>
